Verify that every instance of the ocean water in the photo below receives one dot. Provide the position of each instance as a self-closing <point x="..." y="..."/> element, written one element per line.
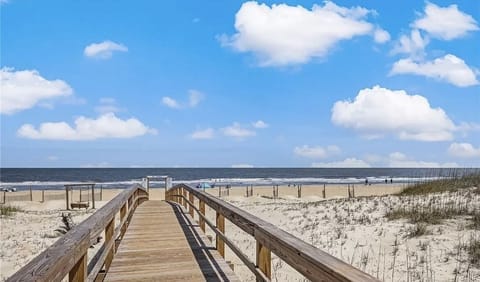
<point x="55" y="178"/>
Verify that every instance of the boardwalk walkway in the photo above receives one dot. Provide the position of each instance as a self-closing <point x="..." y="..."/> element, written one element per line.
<point x="162" y="243"/>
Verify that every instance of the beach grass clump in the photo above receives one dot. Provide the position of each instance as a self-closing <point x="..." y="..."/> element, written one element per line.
<point x="417" y="230"/>
<point x="472" y="248"/>
<point x="431" y="214"/>
<point x="446" y="184"/>
<point x="475" y="221"/>
<point x="6" y="210"/>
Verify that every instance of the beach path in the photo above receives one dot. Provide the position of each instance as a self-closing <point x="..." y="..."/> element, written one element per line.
<point x="163" y="243"/>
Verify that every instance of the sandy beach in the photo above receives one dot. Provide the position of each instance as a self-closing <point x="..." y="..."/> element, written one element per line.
<point x="352" y="229"/>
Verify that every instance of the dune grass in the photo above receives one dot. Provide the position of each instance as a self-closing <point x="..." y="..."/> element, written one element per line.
<point x="450" y="184"/>
<point x="6" y="210"/>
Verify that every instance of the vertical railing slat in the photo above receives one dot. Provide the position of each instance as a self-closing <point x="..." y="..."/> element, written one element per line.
<point x="221" y="228"/>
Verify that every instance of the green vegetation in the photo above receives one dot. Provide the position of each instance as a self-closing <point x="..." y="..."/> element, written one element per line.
<point x="430" y="215"/>
<point x="6" y="210"/>
<point x="450" y="184"/>
<point x="472" y="248"/>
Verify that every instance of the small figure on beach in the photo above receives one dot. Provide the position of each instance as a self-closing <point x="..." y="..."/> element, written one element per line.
<point x="366" y="181"/>
<point x="391" y="180"/>
<point x="386" y="181"/>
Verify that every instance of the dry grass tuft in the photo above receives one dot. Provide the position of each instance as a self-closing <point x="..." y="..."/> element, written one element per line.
<point x="6" y="210"/>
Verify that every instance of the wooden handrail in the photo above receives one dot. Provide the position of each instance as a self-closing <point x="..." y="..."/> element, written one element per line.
<point x="68" y="255"/>
<point x="310" y="261"/>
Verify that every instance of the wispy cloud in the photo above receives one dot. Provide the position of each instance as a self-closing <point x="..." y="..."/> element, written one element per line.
<point x="203" y="134"/>
<point x="260" y="124"/>
<point x="103" y="50"/>
<point x="237" y="131"/>
<point x="194" y="98"/>
<point x="316" y="152"/>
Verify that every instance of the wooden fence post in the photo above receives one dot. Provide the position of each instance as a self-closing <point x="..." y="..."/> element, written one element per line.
<point x="190" y="208"/>
<point x="66" y="197"/>
<point x="264" y="260"/>
<point x="93" y="195"/>
<point x="202" y="211"/>
<point x="221" y="227"/>
<point x="109" y="229"/>
<point x="299" y="191"/>
<point x="43" y="195"/>
<point x="323" y="192"/>
<point x="219" y="191"/>
<point x="101" y="192"/>
<point x="4" y="197"/>
<point x="31" y="194"/>
<point x="79" y="272"/>
<point x="353" y="190"/>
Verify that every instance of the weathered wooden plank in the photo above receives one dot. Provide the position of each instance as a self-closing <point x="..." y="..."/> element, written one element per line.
<point x="264" y="260"/>
<point x="221" y="227"/>
<point x="79" y="271"/>
<point x="202" y="212"/>
<point x="166" y="247"/>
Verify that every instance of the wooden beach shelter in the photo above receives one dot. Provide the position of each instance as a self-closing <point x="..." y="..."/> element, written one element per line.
<point x="79" y="204"/>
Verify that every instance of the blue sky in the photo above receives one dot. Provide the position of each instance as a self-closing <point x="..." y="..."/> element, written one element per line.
<point x="232" y="83"/>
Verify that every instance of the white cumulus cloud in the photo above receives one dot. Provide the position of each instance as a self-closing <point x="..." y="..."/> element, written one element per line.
<point x="105" y="126"/>
<point x="237" y="131"/>
<point x="287" y="35"/>
<point x="464" y="150"/>
<point x="445" y="23"/>
<point x="315" y="152"/>
<point x="21" y="90"/>
<point x="448" y="68"/>
<point x="203" y="134"/>
<point x="347" y="163"/>
<point x="398" y="159"/>
<point x="378" y="111"/>
<point x="260" y="124"/>
<point x="103" y="50"/>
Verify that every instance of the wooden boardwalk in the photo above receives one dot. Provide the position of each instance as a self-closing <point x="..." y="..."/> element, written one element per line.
<point x="162" y="243"/>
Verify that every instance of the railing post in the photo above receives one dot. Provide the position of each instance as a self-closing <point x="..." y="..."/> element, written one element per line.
<point x="221" y="228"/>
<point x="190" y="208"/>
<point x="184" y="200"/>
<point x="109" y="229"/>
<point x="202" y="211"/>
<point x="264" y="260"/>
<point x="123" y="213"/>
<point x="79" y="272"/>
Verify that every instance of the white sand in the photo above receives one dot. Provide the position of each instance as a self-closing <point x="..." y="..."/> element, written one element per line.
<point x="353" y="230"/>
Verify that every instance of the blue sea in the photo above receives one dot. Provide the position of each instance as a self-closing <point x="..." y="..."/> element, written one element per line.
<point x="55" y="178"/>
